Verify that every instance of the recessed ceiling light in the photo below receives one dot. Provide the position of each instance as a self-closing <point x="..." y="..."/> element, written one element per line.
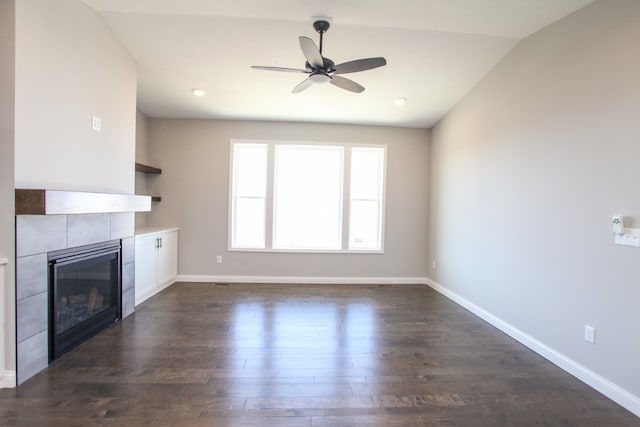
<point x="400" y="101"/>
<point x="198" y="92"/>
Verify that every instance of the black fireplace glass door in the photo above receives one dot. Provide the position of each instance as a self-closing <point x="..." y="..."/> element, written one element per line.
<point x="84" y="296"/>
<point x="84" y="290"/>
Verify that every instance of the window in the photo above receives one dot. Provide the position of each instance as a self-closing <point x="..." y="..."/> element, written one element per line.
<point x="365" y="219"/>
<point x="249" y="195"/>
<point x="306" y="197"/>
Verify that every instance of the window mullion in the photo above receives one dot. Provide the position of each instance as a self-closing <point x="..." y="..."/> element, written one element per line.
<point x="269" y="213"/>
<point x="346" y="196"/>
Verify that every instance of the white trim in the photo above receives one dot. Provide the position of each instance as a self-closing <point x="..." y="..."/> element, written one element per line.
<point x="145" y="295"/>
<point x="308" y="251"/>
<point x="613" y="391"/>
<point x="8" y="379"/>
<point x="305" y="280"/>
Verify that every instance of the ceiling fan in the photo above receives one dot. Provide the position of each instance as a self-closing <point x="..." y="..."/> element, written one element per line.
<point x="322" y="69"/>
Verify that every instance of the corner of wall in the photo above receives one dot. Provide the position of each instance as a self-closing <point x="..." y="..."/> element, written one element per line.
<point x="7" y="198"/>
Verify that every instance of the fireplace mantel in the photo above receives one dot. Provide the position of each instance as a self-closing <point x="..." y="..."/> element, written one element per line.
<point x="56" y="202"/>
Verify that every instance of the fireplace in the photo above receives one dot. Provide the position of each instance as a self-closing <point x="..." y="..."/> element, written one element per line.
<point x="84" y="294"/>
<point x="52" y="224"/>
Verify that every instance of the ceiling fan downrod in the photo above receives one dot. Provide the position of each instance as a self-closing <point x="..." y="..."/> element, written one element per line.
<point x="321" y="26"/>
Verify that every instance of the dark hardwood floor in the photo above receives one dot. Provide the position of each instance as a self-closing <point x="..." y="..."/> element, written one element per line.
<point x="305" y="355"/>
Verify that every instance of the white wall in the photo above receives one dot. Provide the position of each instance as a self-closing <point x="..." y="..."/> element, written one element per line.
<point x="69" y="67"/>
<point x="7" y="207"/>
<point x="526" y="173"/>
<point x="141" y="186"/>
<point x="142" y="143"/>
<point x="59" y="65"/>
<point x="194" y="186"/>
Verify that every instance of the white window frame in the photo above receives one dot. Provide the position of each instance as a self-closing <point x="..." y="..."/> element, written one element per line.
<point x="346" y="197"/>
<point x="380" y="200"/>
<point x="233" y="200"/>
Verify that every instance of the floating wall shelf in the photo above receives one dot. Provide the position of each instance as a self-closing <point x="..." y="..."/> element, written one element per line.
<point x="147" y="169"/>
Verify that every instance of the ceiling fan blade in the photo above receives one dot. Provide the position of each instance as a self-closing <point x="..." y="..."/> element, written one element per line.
<point x="311" y="52"/>
<point x="288" y="70"/>
<point x="302" y="86"/>
<point x="346" y="84"/>
<point x="360" y="65"/>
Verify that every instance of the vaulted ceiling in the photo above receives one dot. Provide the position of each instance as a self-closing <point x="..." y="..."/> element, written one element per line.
<point x="436" y="51"/>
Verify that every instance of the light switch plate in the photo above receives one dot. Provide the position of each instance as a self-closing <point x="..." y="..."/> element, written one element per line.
<point x="590" y="334"/>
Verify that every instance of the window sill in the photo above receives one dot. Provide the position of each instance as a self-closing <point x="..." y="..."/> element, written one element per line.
<point x="308" y="251"/>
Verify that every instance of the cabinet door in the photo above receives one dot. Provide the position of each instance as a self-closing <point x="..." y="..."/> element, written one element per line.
<point x="168" y="258"/>
<point x="146" y="267"/>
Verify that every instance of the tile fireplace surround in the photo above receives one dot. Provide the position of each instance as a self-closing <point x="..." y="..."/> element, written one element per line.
<point x="36" y="235"/>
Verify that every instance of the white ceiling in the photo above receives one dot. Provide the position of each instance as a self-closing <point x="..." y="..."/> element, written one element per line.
<point x="436" y="51"/>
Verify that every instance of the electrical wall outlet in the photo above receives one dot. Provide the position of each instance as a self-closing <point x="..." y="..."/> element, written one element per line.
<point x="96" y="123"/>
<point x="219" y="259"/>
<point x="628" y="237"/>
<point x="433" y="264"/>
<point x="590" y="334"/>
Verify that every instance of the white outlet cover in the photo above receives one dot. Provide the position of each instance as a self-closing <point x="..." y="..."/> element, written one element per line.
<point x="630" y="237"/>
<point x="96" y="123"/>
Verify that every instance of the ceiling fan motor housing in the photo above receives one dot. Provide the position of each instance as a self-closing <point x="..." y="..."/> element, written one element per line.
<point x="328" y="65"/>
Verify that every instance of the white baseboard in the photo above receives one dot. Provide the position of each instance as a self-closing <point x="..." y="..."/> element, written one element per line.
<point x="614" y="392"/>
<point x="141" y="297"/>
<point x="306" y="280"/>
<point x="8" y="379"/>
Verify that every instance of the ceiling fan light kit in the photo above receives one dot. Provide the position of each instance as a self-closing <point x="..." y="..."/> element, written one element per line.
<point x="320" y="78"/>
<point x="322" y="69"/>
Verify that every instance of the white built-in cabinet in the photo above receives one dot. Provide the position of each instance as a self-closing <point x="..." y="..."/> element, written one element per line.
<point x="156" y="261"/>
